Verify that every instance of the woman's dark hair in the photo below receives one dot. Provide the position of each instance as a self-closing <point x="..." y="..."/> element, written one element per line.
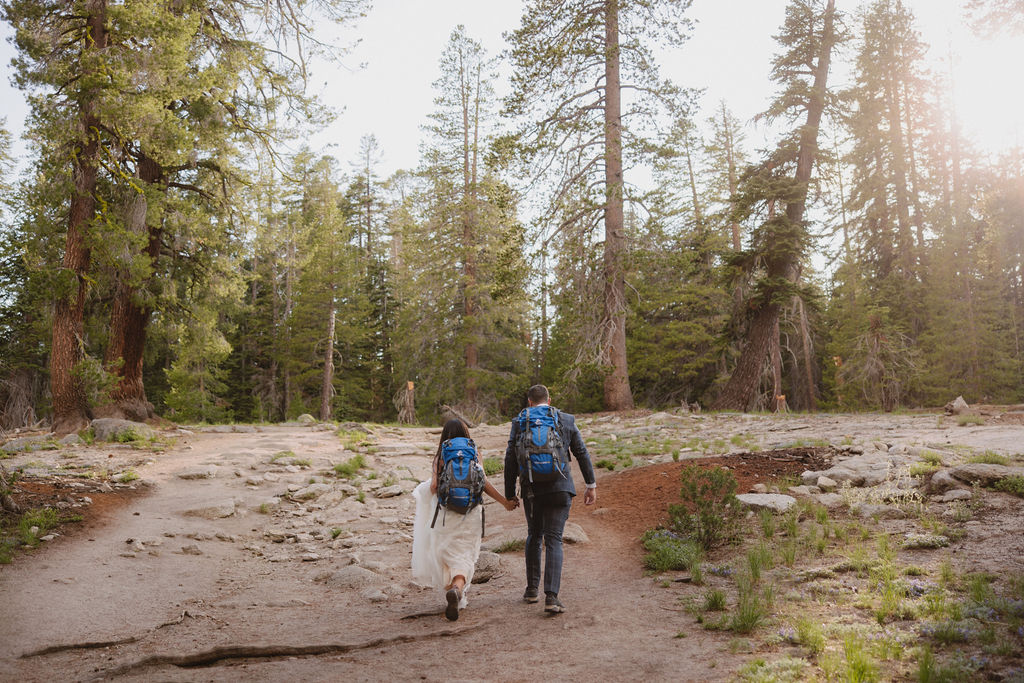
<point x="452" y="428"/>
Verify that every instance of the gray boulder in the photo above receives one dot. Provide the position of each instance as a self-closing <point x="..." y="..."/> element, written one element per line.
<point x="829" y="500"/>
<point x="198" y="473"/>
<point x="488" y="565"/>
<point x="574" y="533"/>
<point x="305" y="419"/>
<point x="984" y="473"/>
<point x="942" y="481"/>
<point x="312" y="491"/>
<point x="958" y="406"/>
<point x="113" y="429"/>
<point x="27" y="444"/>
<point x="776" y="502"/>
<point x="954" y="494"/>
<point x="353" y="576"/>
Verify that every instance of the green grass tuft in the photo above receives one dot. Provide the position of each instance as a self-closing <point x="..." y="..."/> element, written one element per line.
<point x="348" y="468"/>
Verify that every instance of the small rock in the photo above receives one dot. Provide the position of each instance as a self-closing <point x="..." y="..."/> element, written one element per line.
<point x="47" y="537"/>
<point x="829" y="500"/>
<point x="310" y="492"/>
<point x="803" y="490"/>
<point x="488" y="565"/>
<point x="809" y="478"/>
<point x="200" y="473"/>
<point x="827" y="484"/>
<point x="954" y="494"/>
<point x="374" y="595"/>
<point x="306" y="419"/>
<point x="71" y="440"/>
<point x="192" y="549"/>
<point x="777" y="502"/>
<point x="759" y="488"/>
<point x="353" y="576"/>
<point x="310" y="557"/>
<point x="574" y="533"/>
<point x="220" y="511"/>
<point x="389" y="491"/>
<point x="868" y="511"/>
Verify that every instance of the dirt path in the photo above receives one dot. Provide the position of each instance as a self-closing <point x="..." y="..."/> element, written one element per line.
<point x="214" y="559"/>
<point x="134" y="577"/>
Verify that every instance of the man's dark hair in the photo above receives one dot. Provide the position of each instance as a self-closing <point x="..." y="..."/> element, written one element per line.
<point x="538" y="393"/>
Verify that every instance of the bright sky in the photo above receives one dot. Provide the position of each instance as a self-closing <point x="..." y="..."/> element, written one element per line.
<point x="729" y="54"/>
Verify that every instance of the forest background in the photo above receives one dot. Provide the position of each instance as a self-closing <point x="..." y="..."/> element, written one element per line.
<point x="171" y="247"/>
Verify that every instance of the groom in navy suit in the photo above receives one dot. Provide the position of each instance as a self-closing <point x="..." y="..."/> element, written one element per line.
<point x="547" y="504"/>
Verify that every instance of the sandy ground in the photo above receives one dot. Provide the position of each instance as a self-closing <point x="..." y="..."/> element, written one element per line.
<point x="156" y="577"/>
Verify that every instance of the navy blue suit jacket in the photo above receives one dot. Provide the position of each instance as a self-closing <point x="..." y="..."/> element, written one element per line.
<point x="570" y="435"/>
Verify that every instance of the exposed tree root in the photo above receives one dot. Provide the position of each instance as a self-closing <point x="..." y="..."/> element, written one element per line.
<point x="226" y="652"/>
<point x="428" y="613"/>
<point x="51" y="649"/>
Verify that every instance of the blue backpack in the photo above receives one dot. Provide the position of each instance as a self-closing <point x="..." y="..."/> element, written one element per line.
<point x="542" y="453"/>
<point x="460" y="485"/>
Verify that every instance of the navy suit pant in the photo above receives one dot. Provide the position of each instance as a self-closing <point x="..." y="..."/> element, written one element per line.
<point x="546" y="515"/>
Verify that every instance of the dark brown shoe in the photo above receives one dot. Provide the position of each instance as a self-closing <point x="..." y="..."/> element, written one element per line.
<point x="453" y="596"/>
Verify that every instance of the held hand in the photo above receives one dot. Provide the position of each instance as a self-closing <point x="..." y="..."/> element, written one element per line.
<point x="511" y="504"/>
<point x="590" y="497"/>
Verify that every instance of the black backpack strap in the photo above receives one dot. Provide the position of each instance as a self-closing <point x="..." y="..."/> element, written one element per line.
<point x="437" y="509"/>
<point x="483" y="516"/>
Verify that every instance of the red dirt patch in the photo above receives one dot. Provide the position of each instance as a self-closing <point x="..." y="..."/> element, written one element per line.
<point x="31" y="493"/>
<point x="640" y="497"/>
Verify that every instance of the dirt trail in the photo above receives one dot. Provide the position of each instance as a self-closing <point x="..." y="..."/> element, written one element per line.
<point x="98" y="586"/>
<point x="224" y="559"/>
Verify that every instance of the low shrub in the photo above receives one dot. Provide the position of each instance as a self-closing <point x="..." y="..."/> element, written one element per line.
<point x="667" y="552"/>
<point x="709" y="512"/>
<point x="1013" y="484"/>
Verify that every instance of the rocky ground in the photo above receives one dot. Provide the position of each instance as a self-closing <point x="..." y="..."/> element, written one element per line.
<point x="282" y="551"/>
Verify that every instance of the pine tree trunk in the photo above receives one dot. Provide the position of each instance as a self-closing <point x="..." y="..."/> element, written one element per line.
<point x="471" y="353"/>
<point x="806" y="355"/>
<point x="327" y="384"/>
<point x="70" y="408"/>
<point x="739" y="391"/>
<point x="617" y="395"/>
<point x="775" y="352"/>
<point x="128" y="320"/>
